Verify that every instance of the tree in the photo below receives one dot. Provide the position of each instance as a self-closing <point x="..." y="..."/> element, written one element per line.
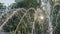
<point x="1" y="5"/>
<point x="14" y="5"/>
<point x="25" y="4"/>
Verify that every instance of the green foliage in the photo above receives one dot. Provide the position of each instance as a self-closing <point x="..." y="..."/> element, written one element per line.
<point x="26" y="24"/>
<point x="55" y="13"/>
<point x="1" y="5"/>
<point x="11" y="24"/>
<point x="14" y="5"/>
<point x="25" y="4"/>
<point x="57" y="30"/>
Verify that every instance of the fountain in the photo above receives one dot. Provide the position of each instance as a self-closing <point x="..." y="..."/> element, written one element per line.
<point x="42" y="23"/>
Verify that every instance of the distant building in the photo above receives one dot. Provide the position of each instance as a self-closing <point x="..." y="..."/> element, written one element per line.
<point x="18" y="0"/>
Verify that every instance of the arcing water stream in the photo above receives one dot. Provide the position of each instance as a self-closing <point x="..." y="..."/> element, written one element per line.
<point x="39" y="16"/>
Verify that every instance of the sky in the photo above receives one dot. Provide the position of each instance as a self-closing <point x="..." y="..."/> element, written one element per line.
<point x="7" y="2"/>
